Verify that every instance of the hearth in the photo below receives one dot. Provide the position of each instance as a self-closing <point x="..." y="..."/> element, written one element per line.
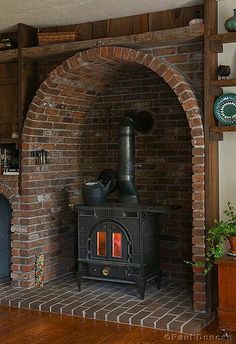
<point x="120" y="243"/>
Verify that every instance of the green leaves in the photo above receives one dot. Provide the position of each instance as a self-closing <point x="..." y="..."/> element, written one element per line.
<point x="216" y="237"/>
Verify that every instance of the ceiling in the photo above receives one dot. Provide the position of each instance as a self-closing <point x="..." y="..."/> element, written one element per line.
<point x="43" y="13"/>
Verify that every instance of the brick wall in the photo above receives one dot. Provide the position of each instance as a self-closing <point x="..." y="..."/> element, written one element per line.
<point x="63" y="112"/>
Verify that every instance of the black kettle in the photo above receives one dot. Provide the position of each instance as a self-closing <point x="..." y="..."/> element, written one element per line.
<point x="95" y="193"/>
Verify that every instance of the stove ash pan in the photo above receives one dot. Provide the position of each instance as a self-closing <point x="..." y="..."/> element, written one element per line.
<point x="119" y="244"/>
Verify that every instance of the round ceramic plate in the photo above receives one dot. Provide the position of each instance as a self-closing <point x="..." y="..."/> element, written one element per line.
<point x="225" y="109"/>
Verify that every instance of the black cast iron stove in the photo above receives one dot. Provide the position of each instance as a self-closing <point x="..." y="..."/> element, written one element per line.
<point x="120" y="243"/>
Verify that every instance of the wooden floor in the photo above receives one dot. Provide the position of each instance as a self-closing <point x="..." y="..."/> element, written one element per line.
<point x="32" y="327"/>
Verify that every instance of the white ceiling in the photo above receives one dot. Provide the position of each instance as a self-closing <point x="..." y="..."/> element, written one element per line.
<point x="42" y="13"/>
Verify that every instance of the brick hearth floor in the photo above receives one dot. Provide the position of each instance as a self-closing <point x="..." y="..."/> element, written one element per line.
<point x="168" y="308"/>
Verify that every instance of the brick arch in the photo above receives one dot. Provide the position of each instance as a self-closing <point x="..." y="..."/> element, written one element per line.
<point x="7" y="192"/>
<point x="67" y="95"/>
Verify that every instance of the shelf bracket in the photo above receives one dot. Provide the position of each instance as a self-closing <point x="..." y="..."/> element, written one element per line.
<point x="215" y="136"/>
<point x="216" y="91"/>
<point x="216" y="46"/>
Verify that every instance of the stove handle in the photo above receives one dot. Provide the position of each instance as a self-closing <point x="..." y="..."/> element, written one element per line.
<point x="129" y="252"/>
<point x="89" y="247"/>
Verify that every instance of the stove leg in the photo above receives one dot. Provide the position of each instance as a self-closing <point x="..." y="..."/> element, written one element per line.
<point x="141" y="288"/>
<point x="79" y="278"/>
<point x="79" y="284"/>
<point x="158" y="281"/>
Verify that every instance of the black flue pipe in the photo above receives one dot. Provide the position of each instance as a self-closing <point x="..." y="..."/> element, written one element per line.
<point x="141" y="121"/>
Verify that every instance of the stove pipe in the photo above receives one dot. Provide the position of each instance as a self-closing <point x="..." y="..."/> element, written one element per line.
<point x="141" y="121"/>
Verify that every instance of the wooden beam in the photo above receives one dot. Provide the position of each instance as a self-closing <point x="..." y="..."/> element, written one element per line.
<point x="223" y="129"/>
<point x="228" y="37"/>
<point x="8" y="55"/>
<point x="140" y="23"/>
<point x="143" y="40"/>
<point x="223" y="82"/>
<point x="211" y="144"/>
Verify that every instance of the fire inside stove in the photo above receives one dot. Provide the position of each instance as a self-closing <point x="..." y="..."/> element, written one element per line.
<point x="116" y="244"/>
<point x="101" y="244"/>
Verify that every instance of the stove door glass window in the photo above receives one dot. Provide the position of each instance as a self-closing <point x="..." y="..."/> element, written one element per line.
<point x="116" y="245"/>
<point x="101" y="243"/>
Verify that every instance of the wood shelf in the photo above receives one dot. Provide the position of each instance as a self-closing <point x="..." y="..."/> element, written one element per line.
<point x="7" y="140"/>
<point x="223" y="129"/>
<point x="228" y="37"/>
<point x="223" y="83"/>
<point x="185" y="34"/>
<point x="10" y="55"/>
<point x="143" y="40"/>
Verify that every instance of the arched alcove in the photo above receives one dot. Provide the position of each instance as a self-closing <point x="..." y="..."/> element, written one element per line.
<point x="55" y="123"/>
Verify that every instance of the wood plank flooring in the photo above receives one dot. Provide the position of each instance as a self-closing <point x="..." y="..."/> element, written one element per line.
<point x="32" y="327"/>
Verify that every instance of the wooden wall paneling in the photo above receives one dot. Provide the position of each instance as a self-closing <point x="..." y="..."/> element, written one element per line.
<point x="7" y="81"/>
<point x="211" y="146"/>
<point x="140" y="23"/>
<point x="8" y="109"/>
<point x="85" y="31"/>
<point x="100" y="29"/>
<point x="120" y="27"/>
<point x="5" y="119"/>
<point x="29" y="84"/>
<point x="192" y="12"/>
<point x="166" y="19"/>
<point x="27" y="71"/>
<point x="8" y="97"/>
<point x="8" y="70"/>
<point x="58" y="28"/>
<point x="133" y="24"/>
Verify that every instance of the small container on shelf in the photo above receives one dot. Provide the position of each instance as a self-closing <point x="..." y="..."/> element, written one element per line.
<point x="9" y="160"/>
<point x="197" y="20"/>
<point x="223" y="71"/>
<point x="7" y="43"/>
<point x="58" y="37"/>
<point x="230" y="23"/>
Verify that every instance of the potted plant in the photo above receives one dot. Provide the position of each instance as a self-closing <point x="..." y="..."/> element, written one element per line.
<point x="216" y="236"/>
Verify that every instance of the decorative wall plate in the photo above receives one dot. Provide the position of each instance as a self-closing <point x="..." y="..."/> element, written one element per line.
<point x="225" y="109"/>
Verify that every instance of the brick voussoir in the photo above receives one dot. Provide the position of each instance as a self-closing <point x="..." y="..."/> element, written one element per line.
<point x="148" y="60"/>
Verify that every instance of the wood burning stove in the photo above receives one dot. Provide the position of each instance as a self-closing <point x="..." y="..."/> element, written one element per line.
<point x="119" y="243"/>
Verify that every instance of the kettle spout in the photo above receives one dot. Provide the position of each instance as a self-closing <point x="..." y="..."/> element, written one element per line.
<point x="107" y="187"/>
<point x="108" y="179"/>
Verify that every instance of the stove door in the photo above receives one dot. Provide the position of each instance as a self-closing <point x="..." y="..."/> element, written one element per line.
<point x="109" y="241"/>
